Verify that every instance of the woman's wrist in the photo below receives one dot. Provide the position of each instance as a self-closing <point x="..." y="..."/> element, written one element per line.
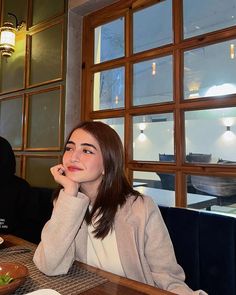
<point x="72" y="191"/>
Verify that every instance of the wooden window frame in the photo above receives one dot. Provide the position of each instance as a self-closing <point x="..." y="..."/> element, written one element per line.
<point x="180" y="168"/>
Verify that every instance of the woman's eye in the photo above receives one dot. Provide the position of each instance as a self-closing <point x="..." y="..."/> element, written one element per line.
<point x="86" y="151"/>
<point x="67" y="148"/>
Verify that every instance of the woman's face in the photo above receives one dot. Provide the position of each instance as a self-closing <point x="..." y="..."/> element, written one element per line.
<point x="82" y="159"/>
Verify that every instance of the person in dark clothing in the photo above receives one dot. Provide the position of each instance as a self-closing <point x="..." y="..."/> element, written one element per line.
<point x="16" y="208"/>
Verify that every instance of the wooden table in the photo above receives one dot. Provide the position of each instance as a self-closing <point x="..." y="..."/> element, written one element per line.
<point x="164" y="197"/>
<point x="116" y="285"/>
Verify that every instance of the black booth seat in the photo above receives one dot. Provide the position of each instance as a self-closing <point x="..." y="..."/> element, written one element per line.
<point x="205" y="246"/>
<point x="204" y="243"/>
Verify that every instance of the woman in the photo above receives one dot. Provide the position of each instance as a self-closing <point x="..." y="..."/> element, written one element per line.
<point x="100" y="220"/>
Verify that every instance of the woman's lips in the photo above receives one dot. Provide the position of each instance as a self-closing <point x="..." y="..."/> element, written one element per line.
<point x="73" y="169"/>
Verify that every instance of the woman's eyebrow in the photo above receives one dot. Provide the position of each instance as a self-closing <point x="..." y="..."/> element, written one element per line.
<point x="70" y="142"/>
<point x="88" y="144"/>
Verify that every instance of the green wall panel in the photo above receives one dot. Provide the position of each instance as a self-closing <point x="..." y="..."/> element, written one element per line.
<point x="44" y="9"/>
<point x="46" y="55"/>
<point x="19" y="8"/>
<point x="11" y="118"/>
<point x="12" y="69"/>
<point x="44" y="119"/>
<point x="38" y="171"/>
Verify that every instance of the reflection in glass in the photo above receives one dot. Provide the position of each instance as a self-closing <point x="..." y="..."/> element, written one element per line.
<point x="146" y="179"/>
<point x="157" y="185"/>
<point x="109" y="41"/>
<point x="215" y="193"/>
<point x="108" y="89"/>
<point x="152" y="81"/>
<point x="205" y="16"/>
<point x="210" y="71"/>
<point x="117" y="124"/>
<point x="219" y="146"/>
<point x="153" y="135"/>
<point x="152" y="26"/>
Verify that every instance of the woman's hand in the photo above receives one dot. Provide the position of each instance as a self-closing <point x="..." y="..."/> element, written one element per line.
<point x="70" y="187"/>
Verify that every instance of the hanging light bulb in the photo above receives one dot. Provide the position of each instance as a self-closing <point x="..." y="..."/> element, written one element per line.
<point x="7" y="39"/>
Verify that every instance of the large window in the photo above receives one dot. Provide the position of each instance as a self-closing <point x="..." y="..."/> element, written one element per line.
<point x="162" y="73"/>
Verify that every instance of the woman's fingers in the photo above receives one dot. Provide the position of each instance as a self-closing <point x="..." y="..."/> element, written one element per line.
<point x="60" y="177"/>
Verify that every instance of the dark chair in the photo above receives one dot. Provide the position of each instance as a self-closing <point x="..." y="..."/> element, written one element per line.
<point x="166" y="158"/>
<point x="167" y="180"/>
<point x="198" y="158"/>
<point x="226" y="162"/>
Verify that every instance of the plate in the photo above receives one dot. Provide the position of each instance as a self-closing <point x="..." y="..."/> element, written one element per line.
<point x="44" y="292"/>
<point x="1" y="240"/>
<point x="17" y="271"/>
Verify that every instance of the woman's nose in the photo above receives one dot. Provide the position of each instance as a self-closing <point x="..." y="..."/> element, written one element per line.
<point x="75" y="156"/>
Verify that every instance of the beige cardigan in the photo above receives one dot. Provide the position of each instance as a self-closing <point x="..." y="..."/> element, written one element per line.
<point x="144" y="245"/>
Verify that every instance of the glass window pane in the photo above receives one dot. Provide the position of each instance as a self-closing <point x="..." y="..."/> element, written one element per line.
<point x="153" y="135"/>
<point x="44" y="9"/>
<point x="108" y="89"/>
<point x="148" y="183"/>
<point x="152" y="26"/>
<point x="210" y="70"/>
<point x="12" y="70"/>
<point x="42" y="165"/>
<point x="44" y="120"/>
<point x="210" y="136"/>
<point x="46" y="49"/>
<point x="153" y="81"/>
<point x="117" y="124"/>
<point x="11" y="120"/>
<point x="205" y="16"/>
<point x="146" y="179"/>
<point x="109" y="41"/>
<point x="215" y="193"/>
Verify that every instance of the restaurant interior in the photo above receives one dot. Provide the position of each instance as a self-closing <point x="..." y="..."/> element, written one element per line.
<point x="162" y="74"/>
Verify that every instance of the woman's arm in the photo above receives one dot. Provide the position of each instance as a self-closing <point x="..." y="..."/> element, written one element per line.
<point x="56" y="251"/>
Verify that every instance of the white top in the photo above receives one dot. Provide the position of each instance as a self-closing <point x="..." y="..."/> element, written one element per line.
<point x="103" y="253"/>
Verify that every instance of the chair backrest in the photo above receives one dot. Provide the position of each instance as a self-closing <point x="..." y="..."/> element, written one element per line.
<point x="166" y="157"/>
<point x="167" y="180"/>
<point x="205" y="246"/>
<point x="198" y="158"/>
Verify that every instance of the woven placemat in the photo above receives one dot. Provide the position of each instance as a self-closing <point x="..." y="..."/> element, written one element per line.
<point x="76" y="281"/>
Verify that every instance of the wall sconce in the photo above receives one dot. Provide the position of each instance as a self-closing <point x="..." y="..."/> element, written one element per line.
<point x="154" y="68"/>
<point x="8" y="36"/>
<point x="142" y="136"/>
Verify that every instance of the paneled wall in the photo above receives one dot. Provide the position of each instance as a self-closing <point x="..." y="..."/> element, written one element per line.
<point x="32" y="87"/>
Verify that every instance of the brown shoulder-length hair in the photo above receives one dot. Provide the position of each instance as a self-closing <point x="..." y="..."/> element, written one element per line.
<point x="115" y="187"/>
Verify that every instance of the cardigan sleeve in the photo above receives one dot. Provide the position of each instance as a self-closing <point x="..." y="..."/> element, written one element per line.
<point x="56" y="252"/>
<point x="166" y="272"/>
